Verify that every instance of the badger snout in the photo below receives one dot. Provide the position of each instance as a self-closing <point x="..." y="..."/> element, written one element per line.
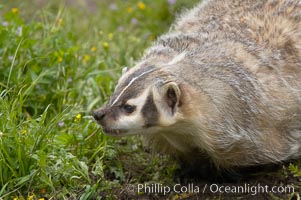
<point x="106" y="119"/>
<point x="99" y="115"/>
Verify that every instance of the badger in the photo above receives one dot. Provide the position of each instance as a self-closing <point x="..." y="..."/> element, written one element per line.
<point x="224" y="83"/>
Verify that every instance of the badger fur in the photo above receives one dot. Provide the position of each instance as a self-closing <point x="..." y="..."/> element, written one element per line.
<point x="224" y="82"/>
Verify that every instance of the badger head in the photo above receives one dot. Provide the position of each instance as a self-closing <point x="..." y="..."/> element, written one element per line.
<point x="145" y="100"/>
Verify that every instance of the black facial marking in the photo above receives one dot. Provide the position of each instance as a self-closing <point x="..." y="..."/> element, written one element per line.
<point x="136" y="87"/>
<point x="150" y="112"/>
<point x="114" y="113"/>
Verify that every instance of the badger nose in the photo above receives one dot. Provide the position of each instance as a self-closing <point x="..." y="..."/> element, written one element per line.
<point x="98" y="114"/>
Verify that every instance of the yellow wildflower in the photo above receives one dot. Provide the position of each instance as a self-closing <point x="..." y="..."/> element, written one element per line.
<point x="141" y="5"/>
<point x="15" y="10"/>
<point x="105" y="45"/>
<point x="16" y="198"/>
<point x="23" y="132"/>
<point x="31" y="197"/>
<point x="41" y="199"/>
<point x="129" y="9"/>
<point x="78" y="117"/>
<point x="86" y="58"/>
<point x="93" y="49"/>
<point x="60" y="59"/>
<point x="110" y="36"/>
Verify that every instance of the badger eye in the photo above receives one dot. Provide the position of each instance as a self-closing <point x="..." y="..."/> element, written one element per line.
<point x="128" y="108"/>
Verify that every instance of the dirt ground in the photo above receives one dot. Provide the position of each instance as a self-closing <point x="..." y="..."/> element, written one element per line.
<point x="258" y="183"/>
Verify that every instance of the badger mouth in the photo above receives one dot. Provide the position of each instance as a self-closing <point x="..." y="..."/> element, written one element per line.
<point x="115" y="131"/>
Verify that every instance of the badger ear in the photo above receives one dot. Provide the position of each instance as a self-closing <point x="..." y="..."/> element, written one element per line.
<point x="124" y="70"/>
<point x="171" y="95"/>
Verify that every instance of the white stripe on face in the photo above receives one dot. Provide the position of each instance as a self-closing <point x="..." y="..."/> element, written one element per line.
<point x="130" y="83"/>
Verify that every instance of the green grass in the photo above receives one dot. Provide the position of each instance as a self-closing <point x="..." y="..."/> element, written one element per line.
<point x="57" y="63"/>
